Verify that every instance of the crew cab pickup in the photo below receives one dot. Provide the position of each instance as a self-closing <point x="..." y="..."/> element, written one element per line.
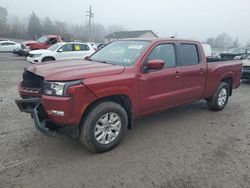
<point x="97" y="99"/>
<point x="44" y="42"/>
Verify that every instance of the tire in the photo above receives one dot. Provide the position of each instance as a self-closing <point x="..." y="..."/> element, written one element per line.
<point x="48" y="59"/>
<point x="93" y="133"/>
<point x="220" y="98"/>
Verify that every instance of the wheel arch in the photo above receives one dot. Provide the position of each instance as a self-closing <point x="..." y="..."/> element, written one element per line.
<point x="229" y="81"/>
<point x="49" y="57"/>
<point x="121" y="99"/>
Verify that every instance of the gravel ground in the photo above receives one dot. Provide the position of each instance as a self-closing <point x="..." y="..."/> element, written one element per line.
<point x="188" y="146"/>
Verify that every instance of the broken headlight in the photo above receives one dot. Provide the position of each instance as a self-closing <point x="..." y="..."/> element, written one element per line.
<point x="58" y="88"/>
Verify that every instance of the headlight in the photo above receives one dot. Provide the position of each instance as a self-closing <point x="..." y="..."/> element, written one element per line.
<point x="36" y="55"/>
<point x="58" y="88"/>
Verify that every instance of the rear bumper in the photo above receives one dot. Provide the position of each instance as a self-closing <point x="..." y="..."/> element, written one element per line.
<point x="41" y="120"/>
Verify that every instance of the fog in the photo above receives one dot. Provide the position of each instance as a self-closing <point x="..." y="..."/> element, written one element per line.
<point x="195" y="19"/>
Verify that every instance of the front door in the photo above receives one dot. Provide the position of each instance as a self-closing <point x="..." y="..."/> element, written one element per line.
<point x="162" y="88"/>
<point x="65" y="52"/>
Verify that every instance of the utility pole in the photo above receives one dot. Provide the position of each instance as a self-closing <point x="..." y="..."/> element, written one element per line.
<point x="90" y="15"/>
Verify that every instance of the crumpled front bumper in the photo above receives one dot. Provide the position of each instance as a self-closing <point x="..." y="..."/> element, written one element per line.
<point x="21" y="52"/>
<point x="42" y="123"/>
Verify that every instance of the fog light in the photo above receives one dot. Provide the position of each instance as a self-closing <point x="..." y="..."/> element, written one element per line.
<point x="57" y="113"/>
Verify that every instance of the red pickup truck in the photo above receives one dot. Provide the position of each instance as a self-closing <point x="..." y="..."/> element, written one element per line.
<point x="42" y="43"/>
<point x="98" y="98"/>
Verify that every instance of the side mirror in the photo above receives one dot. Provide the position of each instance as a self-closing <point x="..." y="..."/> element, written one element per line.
<point x="60" y="50"/>
<point x="156" y="64"/>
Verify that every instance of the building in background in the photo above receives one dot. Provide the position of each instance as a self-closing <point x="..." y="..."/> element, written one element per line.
<point x="130" y="34"/>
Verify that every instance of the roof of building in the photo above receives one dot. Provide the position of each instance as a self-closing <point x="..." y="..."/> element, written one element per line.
<point x="128" y="34"/>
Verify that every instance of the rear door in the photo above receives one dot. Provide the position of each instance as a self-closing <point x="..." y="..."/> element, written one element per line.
<point x="194" y="71"/>
<point x="81" y="51"/>
<point x="162" y="88"/>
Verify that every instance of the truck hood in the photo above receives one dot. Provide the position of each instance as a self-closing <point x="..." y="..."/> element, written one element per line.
<point x="30" y="42"/>
<point x="74" y="70"/>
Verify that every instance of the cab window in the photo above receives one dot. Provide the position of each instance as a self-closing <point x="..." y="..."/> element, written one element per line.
<point x="52" y="41"/>
<point x="67" y="48"/>
<point x="189" y="54"/>
<point x="165" y="52"/>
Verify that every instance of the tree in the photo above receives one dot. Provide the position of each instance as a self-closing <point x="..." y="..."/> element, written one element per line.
<point x="34" y="27"/>
<point x="48" y="26"/>
<point x="236" y="43"/>
<point x="18" y="29"/>
<point x="114" y="28"/>
<point x="223" y="41"/>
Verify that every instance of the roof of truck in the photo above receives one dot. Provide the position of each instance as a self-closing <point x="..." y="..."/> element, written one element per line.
<point x="160" y="39"/>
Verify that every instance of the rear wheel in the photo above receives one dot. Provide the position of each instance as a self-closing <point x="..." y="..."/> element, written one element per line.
<point x="220" y="98"/>
<point x="48" y="59"/>
<point x="104" y="127"/>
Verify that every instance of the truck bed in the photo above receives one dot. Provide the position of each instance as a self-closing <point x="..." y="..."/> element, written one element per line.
<point x="223" y="69"/>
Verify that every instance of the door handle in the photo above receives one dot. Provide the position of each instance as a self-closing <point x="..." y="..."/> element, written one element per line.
<point x="177" y="74"/>
<point x="202" y="71"/>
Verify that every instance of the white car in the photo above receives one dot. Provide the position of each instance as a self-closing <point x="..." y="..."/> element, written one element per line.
<point x="61" y="51"/>
<point x="8" y="46"/>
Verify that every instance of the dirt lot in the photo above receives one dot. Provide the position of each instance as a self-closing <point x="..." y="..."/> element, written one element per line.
<point x="188" y="146"/>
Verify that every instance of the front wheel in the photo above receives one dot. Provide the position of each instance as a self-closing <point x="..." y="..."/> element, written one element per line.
<point x="103" y="127"/>
<point x="220" y="98"/>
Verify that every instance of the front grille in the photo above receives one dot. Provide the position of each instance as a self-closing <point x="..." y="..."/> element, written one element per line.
<point x="31" y="80"/>
<point x="246" y="67"/>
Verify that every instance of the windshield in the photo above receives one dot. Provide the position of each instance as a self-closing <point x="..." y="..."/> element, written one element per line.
<point x="236" y="50"/>
<point x="121" y="52"/>
<point x="43" y="39"/>
<point x="55" y="46"/>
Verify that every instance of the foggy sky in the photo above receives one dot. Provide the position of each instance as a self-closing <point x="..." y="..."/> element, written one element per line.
<point x="196" y="19"/>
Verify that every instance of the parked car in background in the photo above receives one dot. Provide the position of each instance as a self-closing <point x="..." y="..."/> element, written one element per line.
<point x="100" y="46"/>
<point x="97" y="99"/>
<point x="238" y="53"/>
<point x="44" y="42"/>
<point x="246" y="68"/>
<point x="94" y="45"/>
<point x="61" y="51"/>
<point x="207" y="50"/>
<point x="8" y="46"/>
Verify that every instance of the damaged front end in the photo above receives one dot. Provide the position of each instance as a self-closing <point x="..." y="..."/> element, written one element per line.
<point x="31" y="91"/>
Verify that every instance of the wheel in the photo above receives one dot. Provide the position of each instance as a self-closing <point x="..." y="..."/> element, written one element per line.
<point x="48" y="59"/>
<point x="103" y="127"/>
<point x="220" y="98"/>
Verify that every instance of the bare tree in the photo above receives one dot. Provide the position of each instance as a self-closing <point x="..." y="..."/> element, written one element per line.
<point x="223" y="41"/>
<point x="34" y="27"/>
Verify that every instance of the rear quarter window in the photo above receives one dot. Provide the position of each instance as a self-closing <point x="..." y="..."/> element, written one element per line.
<point x="189" y="54"/>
